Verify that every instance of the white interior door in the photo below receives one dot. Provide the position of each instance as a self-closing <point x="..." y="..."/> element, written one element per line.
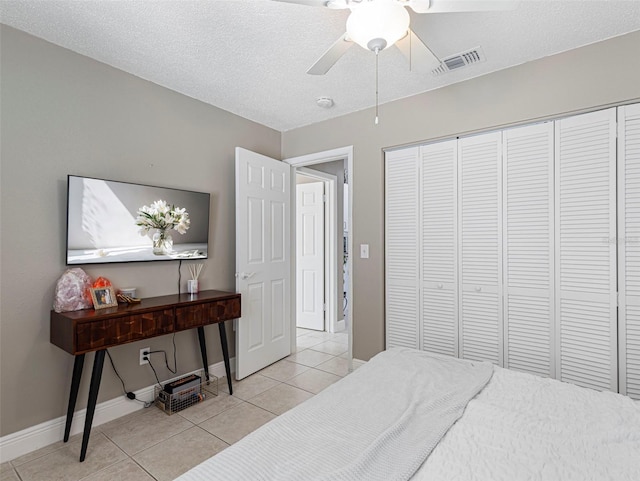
<point x="402" y="255"/>
<point x="528" y="241"/>
<point x="310" y="256"/>
<point x="586" y="297"/>
<point x="480" y="247"/>
<point x="263" y="206"/>
<point x="438" y="241"/>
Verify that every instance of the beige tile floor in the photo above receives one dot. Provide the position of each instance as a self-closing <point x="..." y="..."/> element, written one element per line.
<point x="149" y="445"/>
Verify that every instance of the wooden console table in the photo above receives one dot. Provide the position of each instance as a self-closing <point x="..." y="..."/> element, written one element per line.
<point x="79" y="332"/>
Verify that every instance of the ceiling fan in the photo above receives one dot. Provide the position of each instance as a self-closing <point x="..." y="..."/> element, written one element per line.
<point x="378" y="24"/>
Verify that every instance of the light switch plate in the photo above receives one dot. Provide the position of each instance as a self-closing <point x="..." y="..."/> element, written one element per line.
<point x="364" y="251"/>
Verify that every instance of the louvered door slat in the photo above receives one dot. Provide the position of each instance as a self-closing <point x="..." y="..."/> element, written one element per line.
<point x="438" y="164"/>
<point x="585" y="156"/>
<point x="629" y="248"/>
<point x="401" y="248"/>
<point x="480" y="247"/>
<point x="528" y="248"/>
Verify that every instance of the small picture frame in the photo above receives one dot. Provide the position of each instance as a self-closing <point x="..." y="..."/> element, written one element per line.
<point x="103" y="297"/>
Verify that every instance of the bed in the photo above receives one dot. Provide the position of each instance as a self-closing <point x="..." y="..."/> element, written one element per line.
<point x="408" y="414"/>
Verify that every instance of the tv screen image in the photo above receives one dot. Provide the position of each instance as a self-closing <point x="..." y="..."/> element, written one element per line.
<point x="103" y="222"/>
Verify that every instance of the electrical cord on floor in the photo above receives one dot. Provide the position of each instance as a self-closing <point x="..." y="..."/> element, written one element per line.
<point x="128" y="394"/>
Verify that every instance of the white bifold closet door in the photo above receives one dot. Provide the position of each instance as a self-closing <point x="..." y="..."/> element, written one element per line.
<point x="527" y="156"/>
<point x="402" y="326"/>
<point x="629" y="248"/>
<point x="480" y="247"/>
<point x="439" y="286"/>
<point x="585" y="217"/>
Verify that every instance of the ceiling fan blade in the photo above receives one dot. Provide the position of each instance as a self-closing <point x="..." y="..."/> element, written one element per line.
<point x="452" y="6"/>
<point x="311" y="3"/>
<point x="331" y="56"/>
<point x="420" y="57"/>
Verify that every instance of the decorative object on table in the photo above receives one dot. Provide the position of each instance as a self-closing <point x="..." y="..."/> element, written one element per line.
<point x="192" y="284"/>
<point x="162" y="217"/>
<point x="72" y="291"/>
<point x="104" y="297"/>
<point x="128" y="299"/>
<point x="98" y="283"/>
<point x="101" y="282"/>
<point x="128" y="291"/>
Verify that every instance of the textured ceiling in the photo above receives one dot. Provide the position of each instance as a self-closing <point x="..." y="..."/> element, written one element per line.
<point x="250" y="56"/>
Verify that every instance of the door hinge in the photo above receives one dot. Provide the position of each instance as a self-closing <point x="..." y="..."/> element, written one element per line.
<point x="324" y="307"/>
<point x="324" y="198"/>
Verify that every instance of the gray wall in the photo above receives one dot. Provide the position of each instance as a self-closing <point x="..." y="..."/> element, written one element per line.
<point x="63" y="113"/>
<point x="586" y="78"/>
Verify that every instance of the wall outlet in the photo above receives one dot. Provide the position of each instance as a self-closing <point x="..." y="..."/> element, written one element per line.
<point x="142" y="351"/>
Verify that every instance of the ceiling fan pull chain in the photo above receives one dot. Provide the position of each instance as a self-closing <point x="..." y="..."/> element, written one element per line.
<point x="377" y="50"/>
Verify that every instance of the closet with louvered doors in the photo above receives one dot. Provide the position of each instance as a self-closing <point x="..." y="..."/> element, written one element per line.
<point x="628" y="241"/>
<point x="545" y="223"/>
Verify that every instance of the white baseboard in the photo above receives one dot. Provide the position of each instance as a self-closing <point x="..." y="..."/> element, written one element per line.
<point x="338" y="326"/>
<point x="49" y="432"/>
<point x="358" y="362"/>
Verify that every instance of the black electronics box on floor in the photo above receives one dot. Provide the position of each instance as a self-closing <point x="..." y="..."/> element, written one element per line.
<point x="191" y="389"/>
<point x="183" y="388"/>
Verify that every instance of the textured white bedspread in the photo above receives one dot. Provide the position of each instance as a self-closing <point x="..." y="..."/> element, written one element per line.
<point x="379" y="423"/>
<point x="523" y="427"/>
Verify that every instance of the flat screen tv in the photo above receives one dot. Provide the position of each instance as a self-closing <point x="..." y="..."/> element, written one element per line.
<point x="110" y="221"/>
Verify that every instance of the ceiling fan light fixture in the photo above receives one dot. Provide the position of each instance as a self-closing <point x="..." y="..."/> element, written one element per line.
<point x="377" y="24"/>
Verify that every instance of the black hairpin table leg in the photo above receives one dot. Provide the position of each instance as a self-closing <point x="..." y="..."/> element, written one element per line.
<point x="203" y="351"/>
<point x="225" y="354"/>
<point x="96" y="376"/>
<point x="78" y="364"/>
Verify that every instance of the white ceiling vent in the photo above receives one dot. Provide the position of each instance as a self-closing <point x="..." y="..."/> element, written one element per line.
<point x="460" y="60"/>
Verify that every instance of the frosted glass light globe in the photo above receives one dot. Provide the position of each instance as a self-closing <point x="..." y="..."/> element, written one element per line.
<point x="380" y="19"/>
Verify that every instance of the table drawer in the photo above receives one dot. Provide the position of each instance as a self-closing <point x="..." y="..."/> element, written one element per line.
<point x="101" y="334"/>
<point x="188" y="317"/>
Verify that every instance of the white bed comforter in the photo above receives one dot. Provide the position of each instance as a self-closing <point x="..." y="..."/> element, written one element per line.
<point x="380" y="423"/>
<point x="519" y="427"/>
<point x="523" y="427"/>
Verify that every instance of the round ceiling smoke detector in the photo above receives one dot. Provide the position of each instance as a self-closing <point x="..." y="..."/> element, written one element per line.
<point x="324" y="102"/>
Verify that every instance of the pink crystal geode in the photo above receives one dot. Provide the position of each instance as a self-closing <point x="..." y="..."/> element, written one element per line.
<point x="72" y="291"/>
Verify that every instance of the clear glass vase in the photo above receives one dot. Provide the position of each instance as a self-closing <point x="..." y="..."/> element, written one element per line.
<point x="162" y="243"/>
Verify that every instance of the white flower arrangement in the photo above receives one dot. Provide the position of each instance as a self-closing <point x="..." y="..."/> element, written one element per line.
<point x="159" y="215"/>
